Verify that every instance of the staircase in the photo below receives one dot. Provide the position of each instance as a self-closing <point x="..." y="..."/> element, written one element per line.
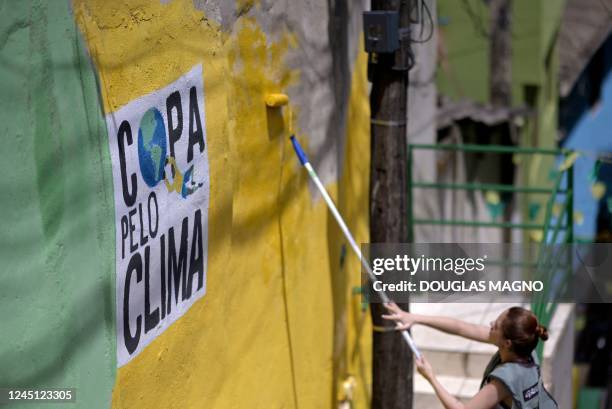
<point x="459" y="363"/>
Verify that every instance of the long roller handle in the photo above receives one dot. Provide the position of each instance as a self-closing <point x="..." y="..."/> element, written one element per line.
<point x="347" y="233"/>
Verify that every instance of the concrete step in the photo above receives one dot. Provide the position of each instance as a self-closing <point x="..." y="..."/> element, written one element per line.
<point x="459" y="360"/>
<point x="425" y="397"/>
<point x="451" y="355"/>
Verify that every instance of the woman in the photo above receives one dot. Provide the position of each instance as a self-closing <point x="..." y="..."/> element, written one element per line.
<point x="512" y="377"/>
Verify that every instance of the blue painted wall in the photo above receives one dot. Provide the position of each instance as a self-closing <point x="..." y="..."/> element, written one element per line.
<point x="586" y="120"/>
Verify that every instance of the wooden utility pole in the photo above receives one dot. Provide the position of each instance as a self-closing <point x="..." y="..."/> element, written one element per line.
<point x="391" y="358"/>
<point x="501" y="52"/>
<point x="500" y="88"/>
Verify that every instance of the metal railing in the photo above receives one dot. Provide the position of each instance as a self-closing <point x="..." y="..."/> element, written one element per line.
<point x="549" y="261"/>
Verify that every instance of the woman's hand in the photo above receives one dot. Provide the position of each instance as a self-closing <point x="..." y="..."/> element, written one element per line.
<point x="403" y="320"/>
<point x="424" y="368"/>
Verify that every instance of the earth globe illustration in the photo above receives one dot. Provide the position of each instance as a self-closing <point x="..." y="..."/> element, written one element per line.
<point x="152" y="147"/>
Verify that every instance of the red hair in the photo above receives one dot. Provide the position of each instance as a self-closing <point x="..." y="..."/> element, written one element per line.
<point x="521" y="327"/>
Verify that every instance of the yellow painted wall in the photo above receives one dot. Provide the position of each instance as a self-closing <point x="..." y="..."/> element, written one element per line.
<point x="278" y="326"/>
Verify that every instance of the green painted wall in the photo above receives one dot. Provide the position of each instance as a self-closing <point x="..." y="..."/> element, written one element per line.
<point x="464" y="72"/>
<point x="464" y="66"/>
<point x="56" y="251"/>
<point x="535" y="68"/>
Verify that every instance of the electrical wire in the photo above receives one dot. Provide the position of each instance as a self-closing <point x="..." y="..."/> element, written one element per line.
<point x="424" y="9"/>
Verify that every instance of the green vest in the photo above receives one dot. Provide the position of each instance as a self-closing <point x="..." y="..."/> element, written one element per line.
<point x="522" y="380"/>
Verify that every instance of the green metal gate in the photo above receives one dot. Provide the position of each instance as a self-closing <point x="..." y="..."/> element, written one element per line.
<point x="555" y="229"/>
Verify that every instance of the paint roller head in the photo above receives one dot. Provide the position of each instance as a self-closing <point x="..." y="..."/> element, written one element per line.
<point x="276" y="100"/>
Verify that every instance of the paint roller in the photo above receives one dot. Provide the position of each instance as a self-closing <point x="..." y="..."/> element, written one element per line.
<point x="276" y="100"/>
<point x="279" y="100"/>
<point x="332" y="207"/>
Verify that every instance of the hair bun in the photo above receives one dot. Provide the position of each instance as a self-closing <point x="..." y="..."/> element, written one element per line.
<point x="542" y="332"/>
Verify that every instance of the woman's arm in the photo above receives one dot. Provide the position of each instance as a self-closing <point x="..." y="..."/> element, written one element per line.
<point x="489" y="396"/>
<point x="453" y="326"/>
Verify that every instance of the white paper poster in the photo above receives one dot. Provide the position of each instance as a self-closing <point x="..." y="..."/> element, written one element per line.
<point x="161" y="184"/>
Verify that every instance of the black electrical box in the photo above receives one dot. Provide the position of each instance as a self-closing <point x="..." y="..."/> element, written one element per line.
<point x="381" y="30"/>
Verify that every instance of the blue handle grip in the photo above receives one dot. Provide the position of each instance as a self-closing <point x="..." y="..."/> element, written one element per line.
<point x="298" y="150"/>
